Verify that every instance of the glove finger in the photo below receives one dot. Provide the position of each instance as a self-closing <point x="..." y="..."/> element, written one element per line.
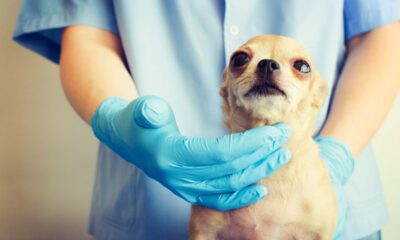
<point x="234" y="200"/>
<point x="202" y="173"/>
<point x="221" y="150"/>
<point x="249" y="175"/>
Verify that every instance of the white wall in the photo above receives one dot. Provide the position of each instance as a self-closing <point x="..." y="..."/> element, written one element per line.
<point x="47" y="154"/>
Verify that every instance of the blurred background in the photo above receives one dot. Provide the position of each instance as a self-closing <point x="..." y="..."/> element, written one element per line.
<point x="48" y="155"/>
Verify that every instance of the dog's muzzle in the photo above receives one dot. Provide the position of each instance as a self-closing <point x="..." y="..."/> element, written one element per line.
<point x="265" y="84"/>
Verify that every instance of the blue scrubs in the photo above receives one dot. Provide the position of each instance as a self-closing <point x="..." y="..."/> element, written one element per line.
<point x="177" y="50"/>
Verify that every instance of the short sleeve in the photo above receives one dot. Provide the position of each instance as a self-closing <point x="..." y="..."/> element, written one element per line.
<point x="40" y="23"/>
<point x="364" y="15"/>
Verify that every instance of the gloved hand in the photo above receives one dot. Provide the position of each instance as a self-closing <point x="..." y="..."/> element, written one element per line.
<point x="214" y="172"/>
<point x="340" y="163"/>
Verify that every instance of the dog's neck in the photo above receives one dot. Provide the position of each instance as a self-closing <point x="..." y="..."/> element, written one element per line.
<point x="302" y="124"/>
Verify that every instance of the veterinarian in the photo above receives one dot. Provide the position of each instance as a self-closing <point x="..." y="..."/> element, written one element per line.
<point x="148" y="171"/>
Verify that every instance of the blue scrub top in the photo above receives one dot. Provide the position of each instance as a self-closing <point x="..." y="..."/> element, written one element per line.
<point x="177" y="50"/>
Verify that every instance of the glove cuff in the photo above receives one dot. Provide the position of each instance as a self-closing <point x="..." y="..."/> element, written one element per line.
<point x="337" y="156"/>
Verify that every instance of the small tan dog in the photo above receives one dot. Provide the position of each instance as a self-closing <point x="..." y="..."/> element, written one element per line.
<point x="271" y="79"/>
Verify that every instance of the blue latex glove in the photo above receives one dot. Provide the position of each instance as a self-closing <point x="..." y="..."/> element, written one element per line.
<point x="340" y="163"/>
<point x="215" y="172"/>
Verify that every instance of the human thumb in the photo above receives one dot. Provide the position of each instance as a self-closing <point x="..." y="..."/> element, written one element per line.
<point x="152" y="112"/>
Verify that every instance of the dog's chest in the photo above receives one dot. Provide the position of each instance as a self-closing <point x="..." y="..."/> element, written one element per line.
<point x="263" y="221"/>
<point x="290" y="209"/>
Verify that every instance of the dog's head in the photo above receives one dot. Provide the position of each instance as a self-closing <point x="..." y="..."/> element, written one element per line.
<point x="271" y="79"/>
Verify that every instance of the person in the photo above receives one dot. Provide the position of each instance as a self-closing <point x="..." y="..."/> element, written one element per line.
<point x="136" y="70"/>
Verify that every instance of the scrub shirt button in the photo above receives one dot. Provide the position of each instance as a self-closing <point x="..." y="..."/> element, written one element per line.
<point x="234" y="30"/>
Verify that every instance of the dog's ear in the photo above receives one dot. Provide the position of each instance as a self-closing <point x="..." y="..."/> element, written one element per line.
<point x="319" y="90"/>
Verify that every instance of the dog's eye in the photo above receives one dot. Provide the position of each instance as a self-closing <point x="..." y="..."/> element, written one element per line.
<point x="239" y="59"/>
<point x="302" y="66"/>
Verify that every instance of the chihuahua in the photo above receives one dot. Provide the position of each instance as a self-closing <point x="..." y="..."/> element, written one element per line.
<point x="272" y="79"/>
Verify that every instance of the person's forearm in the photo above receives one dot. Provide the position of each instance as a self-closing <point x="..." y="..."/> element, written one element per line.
<point x="367" y="87"/>
<point x="92" y="69"/>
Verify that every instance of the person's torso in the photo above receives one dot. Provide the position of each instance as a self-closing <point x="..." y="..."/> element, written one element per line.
<point x="177" y="50"/>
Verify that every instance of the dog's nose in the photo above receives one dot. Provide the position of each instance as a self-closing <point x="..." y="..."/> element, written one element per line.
<point x="267" y="66"/>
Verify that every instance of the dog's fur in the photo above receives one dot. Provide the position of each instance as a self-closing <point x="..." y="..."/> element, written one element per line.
<point x="300" y="203"/>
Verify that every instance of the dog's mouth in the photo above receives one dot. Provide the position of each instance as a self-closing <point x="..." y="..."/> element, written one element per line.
<point x="265" y="89"/>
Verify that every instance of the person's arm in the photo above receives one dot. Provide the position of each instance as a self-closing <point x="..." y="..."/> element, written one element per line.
<point x="367" y="87"/>
<point x="92" y="69"/>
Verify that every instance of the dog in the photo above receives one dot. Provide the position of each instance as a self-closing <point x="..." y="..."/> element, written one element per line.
<point x="272" y="79"/>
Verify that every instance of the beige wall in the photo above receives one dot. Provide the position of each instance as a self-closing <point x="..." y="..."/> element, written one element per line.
<point x="47" y="154"/>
